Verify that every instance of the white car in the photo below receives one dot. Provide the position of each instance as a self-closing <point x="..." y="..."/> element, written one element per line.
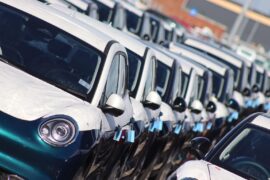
<point x="241" y="154"/>
<point x="60" y="93"/>
<point x="226" y="57"/>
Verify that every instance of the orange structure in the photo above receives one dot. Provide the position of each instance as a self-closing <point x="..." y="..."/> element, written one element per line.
<point x="176" y="9"/>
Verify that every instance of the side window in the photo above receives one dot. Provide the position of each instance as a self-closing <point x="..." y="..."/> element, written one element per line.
<point x="122" y="76"/>
<point x="116" y="81"/>
<point x="150" y="81"/>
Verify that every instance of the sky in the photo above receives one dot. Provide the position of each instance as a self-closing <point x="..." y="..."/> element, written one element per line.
<point x="262" y="6"/>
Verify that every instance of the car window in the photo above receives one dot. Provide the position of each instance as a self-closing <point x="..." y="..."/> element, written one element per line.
<point x="133" y="21"/>
<point x="48" y="53"/>
<point x="122" y="75"/>
<point x="218" y="85"/>
<point x="177" y="84"/>
<point x="135" y="64"/>
<point x="201" y="88"/>
<point x="163" y="75"/>
<point x="245" y="154"/>
<point x="115" y="83"/>
<point x="105" y="12"/>
<point x="184" y="85"/>
<point x="151" y="78"/>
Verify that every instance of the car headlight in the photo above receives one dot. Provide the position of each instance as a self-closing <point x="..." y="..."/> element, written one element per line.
<point x="58" y="132"/>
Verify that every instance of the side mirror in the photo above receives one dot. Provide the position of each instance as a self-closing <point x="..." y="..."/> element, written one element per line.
<point x="267" y="93"/>
<point x="255" y="88"/>
<point x="196" y="107"/>
<point x="246" y="92"/>
<point x="211" y="107"/>
<point x="153" y="100"/>
<point x="199" y="146"/>
<point x="179" y="104"/>
<point x="233" y="104"/>
<point x="115" y="105"/>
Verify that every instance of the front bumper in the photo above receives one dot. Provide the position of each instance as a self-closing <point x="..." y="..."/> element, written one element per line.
<point x="24" y="153"/>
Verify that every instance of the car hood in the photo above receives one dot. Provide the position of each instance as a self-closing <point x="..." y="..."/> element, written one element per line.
<point x="203" y="170"/>
<point x="28" y="98"/>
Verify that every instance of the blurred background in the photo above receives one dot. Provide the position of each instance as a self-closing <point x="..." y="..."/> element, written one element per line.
<point x="233" y="22"/>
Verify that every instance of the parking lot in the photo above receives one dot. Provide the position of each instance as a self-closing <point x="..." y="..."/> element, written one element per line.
<point x="117" y="89"/>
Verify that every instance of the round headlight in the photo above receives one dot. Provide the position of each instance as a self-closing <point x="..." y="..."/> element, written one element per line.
<point x="58" y="132"/>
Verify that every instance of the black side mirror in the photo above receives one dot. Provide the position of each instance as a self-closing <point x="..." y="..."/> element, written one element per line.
<point x="199" y="146"/>
<point x="267" y="93"/>
<point x="211" y="107"/>
<point x="255" y="88"/>
<point x="246" y="92"/>
<point x="233" y="104"/>
<point x="179" y="104"/>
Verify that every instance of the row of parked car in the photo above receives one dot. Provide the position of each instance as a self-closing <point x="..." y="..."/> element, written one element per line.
<point x="102" y="90"/>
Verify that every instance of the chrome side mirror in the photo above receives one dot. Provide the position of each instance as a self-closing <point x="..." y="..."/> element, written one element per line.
<point x="153" y="100"/>
<point x="115" y="105"/>
<point x="179" y="104"/>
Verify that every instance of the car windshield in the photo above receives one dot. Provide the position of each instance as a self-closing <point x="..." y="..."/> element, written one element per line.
<point x="136" y="66"/>
<point x="48" y="53"/>
<point x="244" y="154"/>
<point x="163" y="77"/>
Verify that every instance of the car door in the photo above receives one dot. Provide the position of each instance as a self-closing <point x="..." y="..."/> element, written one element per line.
<point x="116" y="84"/>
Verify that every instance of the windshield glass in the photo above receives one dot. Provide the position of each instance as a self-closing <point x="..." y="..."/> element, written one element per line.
<point x="48" y="53"/>
<point x="135" y="64"/>
<point x="163" y="76"/>
<point x="245" y="154"/>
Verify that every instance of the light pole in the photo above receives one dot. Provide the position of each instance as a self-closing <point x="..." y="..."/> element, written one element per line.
<point x="239" y="20"/>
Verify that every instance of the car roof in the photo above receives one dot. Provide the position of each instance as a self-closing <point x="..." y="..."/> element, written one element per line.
<point x="130" y="7"/>
<point x="62" y="21"/>
<point x="212" y="49"/>
<point x="201" y="58"/>
<point x="108" y="3"/>
<point x="262" y="120"/>
<point x="161" y="56"/>
<point x="129" y="41"/>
